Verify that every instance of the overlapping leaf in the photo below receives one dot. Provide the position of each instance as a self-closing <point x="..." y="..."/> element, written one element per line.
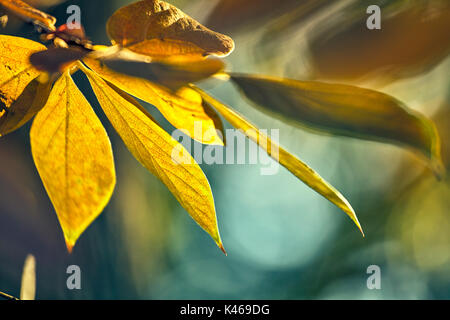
<point x="21" y="94"/>
<point x="74" y="158"/>
<point x="160" y="30"/>
<point x="184" y="109"/>
<point x="344" y="110"/>
<point x="162" y="155"/>
<point x="289" y="161"/>
<point x="25" y="107"/>
<point x="56" y="60"/>
<point x="171" y="73"/>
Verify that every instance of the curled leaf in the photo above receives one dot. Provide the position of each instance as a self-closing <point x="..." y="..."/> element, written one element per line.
<point x="16" y="75"/>
<point x="74" y="158"/>
<point x="158" y="29"/>
<point x="344" y="110"/>
<point x="183" y="109"/>
<point x="154" y="149"/>
<point x="30" y="102"/>
<point x="56" y="59"/>
<point x="28" y="287"/>
<point x="289" y="161"/>
<point x="171" y="73"/>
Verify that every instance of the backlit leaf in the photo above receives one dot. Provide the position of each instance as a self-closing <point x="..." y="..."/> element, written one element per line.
<point x="158" y="29"/>
<point x="30" y="102"/>
<point x="29" y="14"/>
<point x="183" y="109"/>
<point x="344" y="110"/>
<point x="171" y="73"/>
<point x="154" y="149"/>
<point x="289" y="161"/>
<point x="28" y="287"/>
<point x="74" y="158"/>
<point x="16" y="73"/>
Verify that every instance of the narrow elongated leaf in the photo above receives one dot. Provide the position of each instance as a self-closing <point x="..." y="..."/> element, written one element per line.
<point x="184" y="109"/>
<point x="28" y="287"/>
<point x="74" y="158"/>
<point x="16" y="74"/>
<point x="289" y="161"/>
<point x="30" y="102"/>
<point x="344" y="110"/>
<point x="154" y="149"/>
<point x="158" y="29"/>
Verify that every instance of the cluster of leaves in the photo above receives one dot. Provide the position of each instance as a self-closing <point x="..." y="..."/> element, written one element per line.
<point x="157" y="53"/>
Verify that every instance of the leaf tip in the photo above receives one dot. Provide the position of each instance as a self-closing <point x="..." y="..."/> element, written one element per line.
<point x="70" y="244"/>
<point x="356" y="221"/>
<point x="222" y="248"/>
<point x="352" y="214"/>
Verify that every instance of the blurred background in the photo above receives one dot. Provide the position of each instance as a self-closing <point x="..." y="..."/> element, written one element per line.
<point x="284" y="241"/>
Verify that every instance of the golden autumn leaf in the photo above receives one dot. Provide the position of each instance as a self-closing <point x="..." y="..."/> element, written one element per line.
<point x="16" y="75"/>
<point x="171" y="73"/>
<point x="25" y="107"/>
<point x="73" y="156"/>
<point x="289" y="161"/>
<point x="28" y="286"/>
<point x="158" y="29"/>
<point x="154" y="149"/>
<point x="183" y="109"/>
<point x="344" y="110"/>
<point x="29" y="14"/>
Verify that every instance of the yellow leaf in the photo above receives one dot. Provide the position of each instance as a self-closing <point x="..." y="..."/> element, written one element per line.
<point x="289" y="161"/>
<point x="32" y="99"/>
<point x="172" y="72"/>
<point x="28" y="287"/>
<point x="30" y="14"/>
<point x="155" y="149"/>
<point x="183" y="109"/>
<point x="73" y="156"/>
<point x="16" y="72"/>
<point x="345" y="110"/>
<point x="158" y="29"/>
